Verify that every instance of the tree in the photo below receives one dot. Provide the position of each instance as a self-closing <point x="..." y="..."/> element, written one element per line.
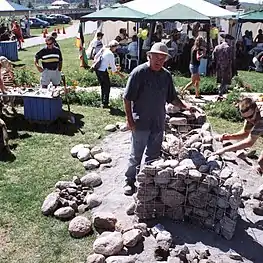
<point x="30" y="5"/>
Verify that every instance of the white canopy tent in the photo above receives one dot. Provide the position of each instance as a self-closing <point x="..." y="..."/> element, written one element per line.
<point x="60" y="3"/>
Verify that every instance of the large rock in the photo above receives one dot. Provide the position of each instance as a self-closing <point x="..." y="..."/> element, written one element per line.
<point x="74" y="151"/>
<point x="147" y="193"/>
<point x="80" y="226"/>
<point x="163" y="177"/>
<point x="95" y="258"/>
<point x="95" y="150"/>
<point x="164" y="239"/>
<point x="108" y="243"/>
<point x="226" y="173"/>
<point x="91" y="164"/>
<point x="65" y="213"/>
<point x="65" y="184"/>
<point x="120" y="259"/>
<point x="132" y="237"/>
<point x="178" y="121"/>
<point x="103" y="157"/>
<point x="91" y="180"/>
<point x="110" y="128"/>
<point x="92" y="201"/>
<point x="104" y="220"/>
<point x="50" y="204"/>
<point x="172" y="198"/>
<point x="84" y="154"/>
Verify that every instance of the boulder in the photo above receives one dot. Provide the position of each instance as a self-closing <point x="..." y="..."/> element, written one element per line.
<point x="103" y="157"/>
<point x="84" y="154"/>
<point x="91" y="180"/>
<point x="74" y="151"/>
<point x="92" y="201"/>
<point x="65" y="213"/>
<point x="172" y="198"/>
<point x="110" y="128"/>
<point x="130" y="209"/>
<point x="65" y="184"/>
<point x="132" y="237"/>
<point x="91" y="164"/>
<point x="108" y="243"/>
<point x="259" y="193"/>
<point x="120" y="259"/>
<point x="104" y="220"/>
<point x="95" y="258"/>
<point x="79" y="226"/>
<point x="95" y="150"/>
<point x="50" y="204"/>
<point x="176" y="121"/>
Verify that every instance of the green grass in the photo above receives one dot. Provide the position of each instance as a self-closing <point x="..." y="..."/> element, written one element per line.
<point x="39" y="31"/>
<point x="26" y="236"/>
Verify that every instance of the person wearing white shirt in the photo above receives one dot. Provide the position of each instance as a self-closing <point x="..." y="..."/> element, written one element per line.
<point x="96" y="45"/>
<point x="107" y="60"/>
<point x="133" y="47"/>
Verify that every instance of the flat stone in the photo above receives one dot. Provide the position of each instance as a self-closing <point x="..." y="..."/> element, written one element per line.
<point x="91" y="180"/>
<point x="195" y="175"/>
<point x="132" y="237"/>
<point x="103" y="157"/>
<point x="143" y="228"/>
<point x="172" y="198"/>
<point x="120" y="259"/>
<point x="65" y="213"/>
<point x="108" y="243"/>
<point x="226" y="173"/>
<point x="110" y="128"/>
<point x="92" y="201"/>
<point x="188" y="163"/>
<point x="193" y="139"/>
<point x="171" y="163"/>
<point x="95" y="258"/>
<point x="80" y="226"/>
<point x="178" y="121"/>
<point x="84" y="154"/>
<point x="235" y="256"/>
<point x="104" y="220"/>
<point x="95" y="150"/>
<point x="65" y="184"/>
<point x="91" y="164"/>
<point x="74" y="151"/>
<point x="50" y="204"/>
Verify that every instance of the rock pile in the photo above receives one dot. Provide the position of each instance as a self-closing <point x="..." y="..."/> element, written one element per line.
<point x="190" y="183"/>
<point x="91" y="157"/>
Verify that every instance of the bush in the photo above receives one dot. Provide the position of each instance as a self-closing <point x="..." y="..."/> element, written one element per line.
<point x="25" y="76"/>
<point x="226" y="109"/>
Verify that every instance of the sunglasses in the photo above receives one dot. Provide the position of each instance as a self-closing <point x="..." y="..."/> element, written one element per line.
<point x="250" y="117"/>
<point x="49" y="44"/>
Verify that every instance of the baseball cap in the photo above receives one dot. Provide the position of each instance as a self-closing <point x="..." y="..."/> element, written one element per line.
<point x="113" y="43"/>
<point x="159" y="48"/>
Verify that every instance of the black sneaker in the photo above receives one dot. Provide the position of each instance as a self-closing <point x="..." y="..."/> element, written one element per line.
<point x="129" y="188"/>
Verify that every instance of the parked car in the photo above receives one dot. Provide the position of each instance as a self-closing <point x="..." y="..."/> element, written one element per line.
<point x="38" y="23"/>
<point x="46" y="18"/>
<point x="61" y="19"/>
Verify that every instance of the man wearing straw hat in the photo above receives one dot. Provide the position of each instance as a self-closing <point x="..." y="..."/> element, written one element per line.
<point x="148" y="89"/>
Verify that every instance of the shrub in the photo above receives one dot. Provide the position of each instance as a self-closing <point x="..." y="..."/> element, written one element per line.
<point x="226" y="109"/>
<point x="25" y="76"/>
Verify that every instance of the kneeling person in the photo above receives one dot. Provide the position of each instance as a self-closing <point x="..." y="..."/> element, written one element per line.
<point x="51" y="63"/>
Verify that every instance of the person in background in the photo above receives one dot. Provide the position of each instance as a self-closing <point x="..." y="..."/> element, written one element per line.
<point x="258" y="62"/>
<point x="107" y="60"/>
<point x="51" y="63"/>
<point x="259" y="38"/>
<point x="214" y="35"/>
<point x="6" y="70"/>
<point x="197" y="52"/>
<point x="16" y="30"/>
<point x="247" y="41"/>
<point x="223" y="55"/>
<point x="133" y="47"/>
<point x="96" y="45"/>
<point x="55" y="35"/>
<point x="148" y="89"/>
<point x="27" y="25"/>
<point x="252" y="130"/>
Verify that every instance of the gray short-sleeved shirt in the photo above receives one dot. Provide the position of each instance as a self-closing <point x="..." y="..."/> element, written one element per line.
<point x="149" y="91"/>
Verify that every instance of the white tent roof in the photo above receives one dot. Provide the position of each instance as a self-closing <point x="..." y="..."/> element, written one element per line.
<point x="7" y="6"/>
<point x="60" y="2"/>
<point x="151" y="7"/>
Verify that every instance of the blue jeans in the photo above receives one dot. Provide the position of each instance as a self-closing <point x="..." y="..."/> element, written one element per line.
<point x="147" y="141"/>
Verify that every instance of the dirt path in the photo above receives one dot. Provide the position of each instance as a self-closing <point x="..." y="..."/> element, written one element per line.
<point x="248" y="240"/>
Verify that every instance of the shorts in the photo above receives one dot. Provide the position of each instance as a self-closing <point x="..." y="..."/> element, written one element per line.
<point x="53" y="76"/>
<point x="194" y="69"/>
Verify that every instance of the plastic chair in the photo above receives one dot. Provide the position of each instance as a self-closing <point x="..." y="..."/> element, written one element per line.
<point x="129" y="59"/>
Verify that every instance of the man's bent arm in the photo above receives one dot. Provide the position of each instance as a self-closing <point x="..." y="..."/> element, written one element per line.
<point x="128" y="110"/>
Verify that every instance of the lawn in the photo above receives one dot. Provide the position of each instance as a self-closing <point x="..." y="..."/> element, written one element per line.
<point x="41" y="160"/>
<point x="39" y="31"/>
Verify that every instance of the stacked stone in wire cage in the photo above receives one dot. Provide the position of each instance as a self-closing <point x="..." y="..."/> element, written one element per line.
<point x="190" y="184"/>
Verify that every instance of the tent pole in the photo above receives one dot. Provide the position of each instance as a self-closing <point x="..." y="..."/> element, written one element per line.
<point x="138" y="24"/>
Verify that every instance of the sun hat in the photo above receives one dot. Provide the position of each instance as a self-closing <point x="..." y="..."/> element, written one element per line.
<point x="159" y="48"/>
<point x="113" y="43"/>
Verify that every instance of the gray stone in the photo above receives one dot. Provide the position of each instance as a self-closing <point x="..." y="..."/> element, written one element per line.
<point x="82" y="208"/>
<point x="172" y="198"/>
<point x="164" y="239"/>
<point x="110" y="128"/>
<point x="188" y="163"/>
<point x="222" y="202"/>
<point x="80" y="226"/>
<point x="50" y="204"/>
<point x="104" y="220"/>
<point x="74" y="151"/>
<point x="120" y="259"/>
<point x="204" y="168"/>
<point x="198" y="199"/>
<point x="177" y="184"/>
<point x="176" y="121"/>
<point x="226" y="173"/>
<point x="171" y="163"/>
<point x="144" y="178"/>
<point x="132" y="237"/>
<point x="74" y="205"/>
<point x="92" y="201"/>
<point x="235" y="256"/>
<point x="76" y="180"/>
<point x="211" y="180"/>
<point x="65" y="213"/>
<point x="108" y="243"/>
<point x="130" y="209"/>
<point x="227" y="227"/>
<point x="65" y="184"/>
<point x="195" y="175"/>
<point x="84" y="154"/>
<point x="175" y="213"/>
<point x="72" y="191"/>
<point x="95" y="258"/>
<point x="143" y="228"/>
<point x="91" y="164"/>
<point x="147" y="193"/>
<point x="91" y="180"/>
<point x="229" y="156"/>
<point x="196" y="145"/>
<point x="103" y="157"/>
<point x="173" y="260"/>
<point x="164" y="176"/>
<point x="193" y="139"/>
<point x="181" y="171"/>
<point x="95" y="150"/>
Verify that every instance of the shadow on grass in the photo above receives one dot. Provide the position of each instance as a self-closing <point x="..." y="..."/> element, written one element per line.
<point x="117" y="112"/>
<point x="17" y="123"/>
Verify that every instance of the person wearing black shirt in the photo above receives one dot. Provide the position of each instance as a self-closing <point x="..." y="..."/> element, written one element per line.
<point x="51" y="63"/>
<point x="197" y="52"/>
<point x="55" y="35"/>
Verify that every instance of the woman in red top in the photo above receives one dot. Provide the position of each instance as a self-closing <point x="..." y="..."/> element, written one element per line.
<point x="16" y="30"/>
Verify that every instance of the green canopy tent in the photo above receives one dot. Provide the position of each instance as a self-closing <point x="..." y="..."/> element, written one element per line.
<point x="253" y="17"/>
